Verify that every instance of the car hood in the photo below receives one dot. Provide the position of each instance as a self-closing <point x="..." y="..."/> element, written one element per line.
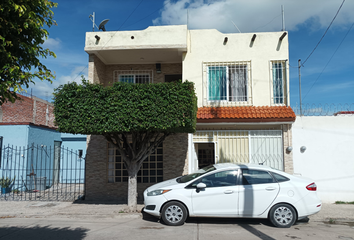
<point x="169" y="184"/>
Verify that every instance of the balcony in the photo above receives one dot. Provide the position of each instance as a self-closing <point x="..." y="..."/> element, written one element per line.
<point x="162" y="44"/>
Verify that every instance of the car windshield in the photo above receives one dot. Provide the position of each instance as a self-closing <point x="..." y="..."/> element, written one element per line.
<point x="198" y="173"/>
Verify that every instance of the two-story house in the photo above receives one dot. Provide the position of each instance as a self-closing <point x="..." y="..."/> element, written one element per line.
<point x="242" y="85"/>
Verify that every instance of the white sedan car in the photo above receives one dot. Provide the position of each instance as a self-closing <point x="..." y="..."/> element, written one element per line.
<point x="230" y="190"/>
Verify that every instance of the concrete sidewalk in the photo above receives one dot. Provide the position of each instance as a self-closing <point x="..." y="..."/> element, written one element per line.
<point x="87" y="210"/>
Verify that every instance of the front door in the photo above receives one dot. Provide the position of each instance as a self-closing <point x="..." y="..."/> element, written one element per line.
<point x="220" y="196"/>
<point x="206" y="154"/>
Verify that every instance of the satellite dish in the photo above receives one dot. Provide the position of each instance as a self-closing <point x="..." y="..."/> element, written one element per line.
<point x="101" y="26"/>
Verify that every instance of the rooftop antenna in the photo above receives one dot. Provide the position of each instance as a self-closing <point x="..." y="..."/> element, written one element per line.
<point x="92" y="17"/>
<point x="101" y="26"/>
<point x="236" y="26"/>
<point x="283" y="21"/>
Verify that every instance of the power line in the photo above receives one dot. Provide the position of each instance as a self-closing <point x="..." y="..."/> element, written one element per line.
<point x="324" y="33"/>
<point x="329" y="60"/>
<point x="123" y="23"/>
<point x="80" y="73"/>
<point x="268" y="23"/>
<point x="167" y="2"/>
<point x="130" y="14"/>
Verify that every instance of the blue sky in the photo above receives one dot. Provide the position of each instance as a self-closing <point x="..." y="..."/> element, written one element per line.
<point x="306" y="21"/>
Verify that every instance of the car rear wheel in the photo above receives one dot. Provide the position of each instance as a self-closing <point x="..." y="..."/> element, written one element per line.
<point x="174" y="213"/>
<point x="282" y="215"/>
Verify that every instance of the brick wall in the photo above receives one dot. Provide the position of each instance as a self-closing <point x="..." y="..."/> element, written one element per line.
<point x="99" y="72"/>
<point x="97" y="186"/>
<point x="28" y="110"/>
<point x="20" y="111"/>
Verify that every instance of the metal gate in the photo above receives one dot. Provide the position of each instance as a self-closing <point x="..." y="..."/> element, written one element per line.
<point x="41" y="173"/>
<point x="244" y="146"/>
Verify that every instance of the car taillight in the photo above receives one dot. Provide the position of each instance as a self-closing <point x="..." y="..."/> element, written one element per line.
<point x="311" y="187"/>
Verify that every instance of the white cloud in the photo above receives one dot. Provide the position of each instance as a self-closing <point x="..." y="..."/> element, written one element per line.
<point x="254" y="15"/>
<point x="52" y="43"/>
<point x="45" y="89"/>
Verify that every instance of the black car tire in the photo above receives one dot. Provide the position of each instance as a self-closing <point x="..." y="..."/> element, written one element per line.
<point x="282" y="215"/>
<point x="174" y="213"/>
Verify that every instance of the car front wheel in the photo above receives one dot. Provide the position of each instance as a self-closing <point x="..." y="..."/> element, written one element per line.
<point x="282" y="215"/>
<point x="174" y="213"/>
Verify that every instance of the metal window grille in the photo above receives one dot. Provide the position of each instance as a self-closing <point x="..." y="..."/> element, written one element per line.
<point x="227" y="83"/>
<point x="278" y="82"/>
<point x="150" y="172"/>
<point x="133" y="76"/>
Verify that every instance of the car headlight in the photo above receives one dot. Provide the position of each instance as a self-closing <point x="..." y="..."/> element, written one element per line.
<point x="158" y="192"/>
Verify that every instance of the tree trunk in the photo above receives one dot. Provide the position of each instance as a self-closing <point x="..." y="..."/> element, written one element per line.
<point x="132" y="187"/>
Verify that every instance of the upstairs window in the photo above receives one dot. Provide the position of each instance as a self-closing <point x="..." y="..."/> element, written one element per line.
<point x="132" y="76"/>
<point x="279" y="80"/>
<point x="228" y="82"/>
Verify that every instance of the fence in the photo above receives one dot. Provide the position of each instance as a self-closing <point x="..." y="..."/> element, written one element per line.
<point x="41" y="173"/>
<point x="324" y="109"/>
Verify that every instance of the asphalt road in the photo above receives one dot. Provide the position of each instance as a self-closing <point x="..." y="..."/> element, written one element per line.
<point x="147" y="227"/>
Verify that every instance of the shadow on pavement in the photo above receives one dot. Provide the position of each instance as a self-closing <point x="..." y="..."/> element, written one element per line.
<point x="148" y="217"/>
<point x="237" y="221"/>
<point x="37" y="232"/>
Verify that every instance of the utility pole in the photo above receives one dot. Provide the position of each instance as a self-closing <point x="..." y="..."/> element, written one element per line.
<point x="300" y="86"/>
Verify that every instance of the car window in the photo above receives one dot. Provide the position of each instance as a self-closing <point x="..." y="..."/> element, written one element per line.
<point x="198" y="173"/>
<point x="250" y="177"/>
<point x="219" y="179"/>
<point x="280" y="178"/>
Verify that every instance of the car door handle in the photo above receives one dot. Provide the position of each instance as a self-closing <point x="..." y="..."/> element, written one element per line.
<point x="228" y="191"/>
<point x="270" y="188"/>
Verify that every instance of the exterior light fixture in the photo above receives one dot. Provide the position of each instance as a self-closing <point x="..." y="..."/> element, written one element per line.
<point x="289" y="149"/>
<point x="302" y="149"/>
<point x="97" y="37"/>
<point x="225" y="40"/>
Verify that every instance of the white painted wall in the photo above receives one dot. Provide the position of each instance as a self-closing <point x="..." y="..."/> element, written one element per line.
<point x="172" y="36"/>
<point x="329" y="155"/>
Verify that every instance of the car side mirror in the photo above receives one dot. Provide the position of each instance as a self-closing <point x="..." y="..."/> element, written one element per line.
<point x="201" y="185"/>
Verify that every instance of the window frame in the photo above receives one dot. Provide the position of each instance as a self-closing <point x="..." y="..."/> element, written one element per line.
<point x="228" y="99"/>
<point x="156" y="158"/>
<point x="276" y="100"/>
<point x="147" y="73"/>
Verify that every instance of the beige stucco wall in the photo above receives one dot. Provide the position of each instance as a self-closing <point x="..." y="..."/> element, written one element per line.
<point x="208" y="46"/>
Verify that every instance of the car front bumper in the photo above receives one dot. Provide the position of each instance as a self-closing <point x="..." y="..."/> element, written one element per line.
<point x="153" y="204"/>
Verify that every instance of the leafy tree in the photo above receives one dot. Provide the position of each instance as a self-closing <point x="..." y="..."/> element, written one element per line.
<point x="22" y="33"/>
<point x="136" y="118"/>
